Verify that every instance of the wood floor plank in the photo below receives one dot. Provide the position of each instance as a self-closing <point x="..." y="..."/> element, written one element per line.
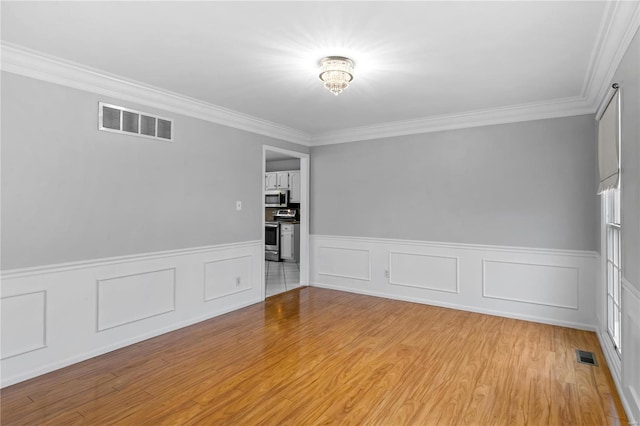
<point x="610" y="402"/>
<point x="566" y="409"/>
<point x="172" y="411"/>
<point x="113" y="407"/>
<point x="317" y="356"/>
<point x="68" y="418"/>
<point x="47" y="409"/>
<point x="591" y="410"/>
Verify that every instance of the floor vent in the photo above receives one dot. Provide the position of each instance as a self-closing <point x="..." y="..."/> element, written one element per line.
<point x="586" y="357"/>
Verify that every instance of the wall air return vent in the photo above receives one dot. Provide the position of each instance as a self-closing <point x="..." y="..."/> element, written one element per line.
<point x="112" y="118"/>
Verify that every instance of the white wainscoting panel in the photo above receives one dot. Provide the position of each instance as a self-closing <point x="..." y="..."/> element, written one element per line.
<point x="424" y="271"/>
<point x="631" y="348"/>
<point x="542" y="285"/>
<point x="225" y="277"/>
<point x="353" y="263"/>
<point x="122" y="300"/>
<point x="75" y="311"/>
<point x="23" y="319"/>
<point x="531" y="283"/>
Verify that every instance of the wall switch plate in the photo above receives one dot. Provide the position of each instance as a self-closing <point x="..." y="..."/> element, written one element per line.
<point x="238" y="205"/>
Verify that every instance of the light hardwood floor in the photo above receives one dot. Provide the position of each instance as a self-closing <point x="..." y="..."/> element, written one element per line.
<point x="313" y="356"/>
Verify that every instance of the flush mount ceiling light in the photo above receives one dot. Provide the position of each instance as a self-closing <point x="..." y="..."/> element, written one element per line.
<point x="336" y="72"/>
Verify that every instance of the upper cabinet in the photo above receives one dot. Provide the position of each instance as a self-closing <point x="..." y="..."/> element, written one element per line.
<point x="294" y="186"/>
<point x="284" y="180"/>
<point x="276" y="180"/>
<point x="270" y="181"/>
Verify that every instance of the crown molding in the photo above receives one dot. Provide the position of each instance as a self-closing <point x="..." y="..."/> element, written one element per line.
<point x="26" y="62"/>
<point x="620" y="22"/>
<point x="595" y="65"/>
<point x="619" y="33"/>
<point x="487" y="117"/>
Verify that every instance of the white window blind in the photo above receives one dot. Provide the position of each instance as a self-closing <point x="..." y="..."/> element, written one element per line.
<point x="609" y="145"/>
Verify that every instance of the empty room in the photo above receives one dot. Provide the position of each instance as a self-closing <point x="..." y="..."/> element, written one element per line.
<point x="320" y="212"/>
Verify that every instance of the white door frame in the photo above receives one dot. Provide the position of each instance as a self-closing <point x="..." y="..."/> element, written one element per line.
<point x="304" y="211"/>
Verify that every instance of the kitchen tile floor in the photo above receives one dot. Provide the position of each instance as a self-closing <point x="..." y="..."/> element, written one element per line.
<point x="281" y="276"/>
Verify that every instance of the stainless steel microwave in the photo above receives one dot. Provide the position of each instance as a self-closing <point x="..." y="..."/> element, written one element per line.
<point x="276" y="198"/>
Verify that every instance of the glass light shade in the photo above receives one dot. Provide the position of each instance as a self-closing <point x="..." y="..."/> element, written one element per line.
<point x="336" y="72"/>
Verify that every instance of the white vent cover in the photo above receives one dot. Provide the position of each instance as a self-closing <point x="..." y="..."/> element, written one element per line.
<point x="113" y="118"/>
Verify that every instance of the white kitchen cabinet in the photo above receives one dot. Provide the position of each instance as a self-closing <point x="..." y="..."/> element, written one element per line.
<point x="276" y="180"/>
<point x="294" y="187"/>
<point x="283" y="180"/>
<point x="270" y="181"/>
<point x="290" y="241"/>
<point x="287" y="241"/>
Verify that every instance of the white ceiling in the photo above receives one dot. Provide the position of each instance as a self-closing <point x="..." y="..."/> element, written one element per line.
<point x="414" y="60"/>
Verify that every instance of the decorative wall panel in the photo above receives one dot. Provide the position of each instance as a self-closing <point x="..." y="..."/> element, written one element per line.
<point x="531" y="283"/>
<point x="225" y="277"/>
<point x="424" y="271"/>
<point x="122" y="300"/>
<point x="631" y="347"/>
<point x="344" y="262"/>
<point x="23" y="323"/>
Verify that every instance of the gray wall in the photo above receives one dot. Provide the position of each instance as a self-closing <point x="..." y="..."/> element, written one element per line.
<point x="71" y="192"/>
<point x="628" y="74"/>
<point x="530" y="184"/>
<point x="283" y="165"/>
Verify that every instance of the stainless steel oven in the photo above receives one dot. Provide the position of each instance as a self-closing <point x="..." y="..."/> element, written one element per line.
<point x="272" y="241"/>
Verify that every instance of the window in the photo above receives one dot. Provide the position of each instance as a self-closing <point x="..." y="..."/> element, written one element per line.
<point x="611" y="200"/>
<point x="112" y="118"/>
<point x="609" y="168"/>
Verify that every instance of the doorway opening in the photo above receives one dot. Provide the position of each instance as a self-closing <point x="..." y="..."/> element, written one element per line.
<point x="285" y="219"/>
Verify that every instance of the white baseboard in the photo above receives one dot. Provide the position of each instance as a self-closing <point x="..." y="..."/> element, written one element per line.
<point x="56" y="365"/>
<point x="52" y="315"/>
<point x="542" y="285"/>
<point x="579" y="326"/>
<point x="614" y="367"/>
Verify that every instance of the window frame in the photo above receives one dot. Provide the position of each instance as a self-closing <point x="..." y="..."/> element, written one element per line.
<point x="613" y="267"/>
